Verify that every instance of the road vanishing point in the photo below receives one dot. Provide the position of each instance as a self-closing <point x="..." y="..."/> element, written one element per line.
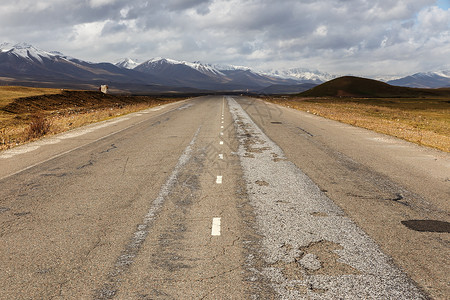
<point x="221" y="197"/>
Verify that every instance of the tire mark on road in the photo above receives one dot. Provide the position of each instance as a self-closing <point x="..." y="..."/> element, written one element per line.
<point x="126" y="259"/>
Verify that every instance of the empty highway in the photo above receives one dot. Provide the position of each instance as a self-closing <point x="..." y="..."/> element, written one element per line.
<point x="221" y="197"/>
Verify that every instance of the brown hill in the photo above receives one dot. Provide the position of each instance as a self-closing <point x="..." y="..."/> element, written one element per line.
<point x="350" y="86"/>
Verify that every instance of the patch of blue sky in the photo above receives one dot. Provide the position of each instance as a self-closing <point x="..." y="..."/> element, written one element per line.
<point x="444" y="4"/>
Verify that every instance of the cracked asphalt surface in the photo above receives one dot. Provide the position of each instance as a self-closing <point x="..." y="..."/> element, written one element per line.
<point x="309" y="209"/>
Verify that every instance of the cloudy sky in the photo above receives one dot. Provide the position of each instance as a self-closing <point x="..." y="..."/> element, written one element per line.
<point x="360" y="37"/>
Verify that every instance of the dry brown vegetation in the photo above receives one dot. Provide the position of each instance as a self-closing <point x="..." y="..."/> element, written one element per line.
<point x="9" y="93"/>
<point x="27" y="114"/>
<point x="425" y="121"/>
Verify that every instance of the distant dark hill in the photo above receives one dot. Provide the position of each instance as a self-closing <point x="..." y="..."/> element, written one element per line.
<point x="350" y="86"/>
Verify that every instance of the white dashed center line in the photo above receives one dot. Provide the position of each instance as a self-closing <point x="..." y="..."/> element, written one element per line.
<point x="215" y="230"/>
<point x="219" y="180"/>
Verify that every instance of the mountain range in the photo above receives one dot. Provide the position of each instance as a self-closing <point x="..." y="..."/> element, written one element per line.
<point x="432" y="80"/>
<point x="27" y="65"/>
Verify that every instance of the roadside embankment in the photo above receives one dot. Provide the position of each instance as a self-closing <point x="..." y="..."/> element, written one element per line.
<point x="28" y="115"/>
<point x="424" y="121"/>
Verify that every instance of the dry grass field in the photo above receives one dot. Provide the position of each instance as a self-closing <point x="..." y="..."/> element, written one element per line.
<point x="425" y="120"/>
<point x="27" y="114"/>
<point x="9" y="93"/>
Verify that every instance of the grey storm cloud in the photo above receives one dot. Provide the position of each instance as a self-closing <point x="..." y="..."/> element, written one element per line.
<point x="339" y="36"/>
<point x="183" y="4"/>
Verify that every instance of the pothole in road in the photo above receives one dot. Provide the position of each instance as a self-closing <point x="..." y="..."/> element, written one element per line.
<point x="324" y="251"/>
<point x="318" y="258"/>
<point x="427" y="225"/>
<point x="291" y="270"/>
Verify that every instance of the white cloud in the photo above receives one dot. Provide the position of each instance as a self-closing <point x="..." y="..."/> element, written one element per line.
<point x="88" y="32"/>
<point x="321" y="31"/>
<point x="434" y="19"/>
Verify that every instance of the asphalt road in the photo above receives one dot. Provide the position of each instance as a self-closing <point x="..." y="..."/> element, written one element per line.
<point x="223" y="198"/>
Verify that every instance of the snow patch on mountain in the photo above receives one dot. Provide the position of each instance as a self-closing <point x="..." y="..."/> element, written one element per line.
<point x="301" y="74"/>
<point x="386" y="78"/>
<point x="5" y="47"/>
<point x="202" y="68"/>
<point x="222" y="67"/>
<point x="442" y="73"/>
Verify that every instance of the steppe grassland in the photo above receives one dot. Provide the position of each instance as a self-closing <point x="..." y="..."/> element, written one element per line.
<point x="9" y="93"/>
<point x="25" y="126"/>
<point x="424" y="121"/>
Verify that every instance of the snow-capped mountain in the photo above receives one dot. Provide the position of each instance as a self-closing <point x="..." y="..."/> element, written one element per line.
<point x="157" y="63"/>
<point x="201" y="67"/>
<point x="28" y="52"/>
<point x="302" y="75"/>
<point x="206" y="76"/>
<point x="24" y="63"/>
<point x="32" y="54"/>
<point x="176" y="73"/>
<point x="127" y="63"/>
<point x="436" y="79"/>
